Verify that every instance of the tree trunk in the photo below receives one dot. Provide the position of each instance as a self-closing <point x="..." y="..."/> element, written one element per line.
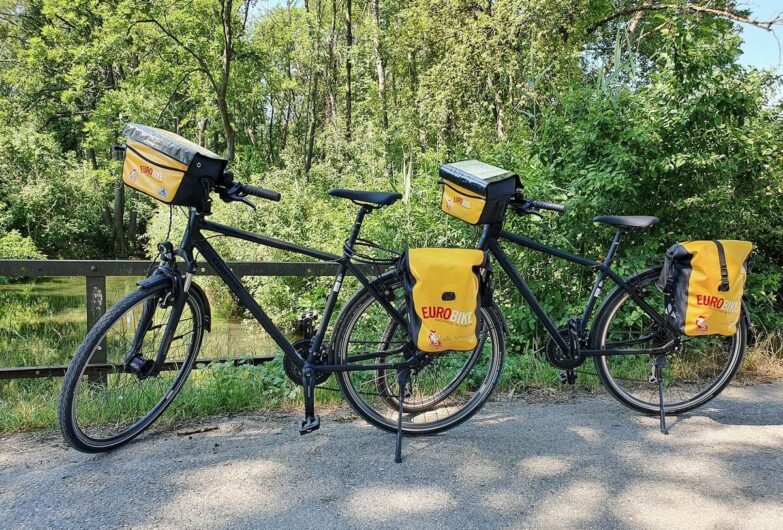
<point x="226" y="12"/>
<point x="92" y="157"/>
<point x="202" y="130"/>
<point x="132" y="221"/>
<point x="331" y="85"/>
<point x="310" y="139"/>
<point x="379" y="66"/>
<point x="120" y="246"/>
<point x="348" y="45"/>
<point x="228" y="129"/>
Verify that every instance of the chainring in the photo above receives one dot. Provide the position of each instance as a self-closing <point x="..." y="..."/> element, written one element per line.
<point x="561" y="359"/>
<point x="294" y="373"/>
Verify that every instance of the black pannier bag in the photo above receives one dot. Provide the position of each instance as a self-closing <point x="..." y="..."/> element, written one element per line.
<point x="475" y="192"/>
<point x="168" y="167"/>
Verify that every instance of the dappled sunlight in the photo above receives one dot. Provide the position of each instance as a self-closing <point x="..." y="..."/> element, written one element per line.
<point x="590" y="496"/>
<point x="255" y="486"/>
<point x="480" y="470"/>
<point x="654" y="504"/>
<point x="385" y="504"/>
<point x="544" y="466"/>
<point x="579" y="464"/>
<point x="588" y="434"/>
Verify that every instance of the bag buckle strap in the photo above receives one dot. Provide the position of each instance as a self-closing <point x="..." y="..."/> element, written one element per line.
<point x="724" y="271"/>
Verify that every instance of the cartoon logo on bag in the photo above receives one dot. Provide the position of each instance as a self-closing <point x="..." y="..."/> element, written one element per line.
<point x="462" y="201"/>
<point x="163" y="193"/>
<point x="132" y="175"/>
<point x="434" y="339"/>
<point x="701" y="324"/>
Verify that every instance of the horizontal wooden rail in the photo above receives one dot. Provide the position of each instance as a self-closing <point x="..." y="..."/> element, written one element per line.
<point x="34" y="372"/>
<point x="43" y="267"/>
<point x="96" y="271"/>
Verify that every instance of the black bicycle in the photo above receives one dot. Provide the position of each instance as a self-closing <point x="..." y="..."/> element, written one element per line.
<point x="642" y="359"/>
<point x="136" y="359"/>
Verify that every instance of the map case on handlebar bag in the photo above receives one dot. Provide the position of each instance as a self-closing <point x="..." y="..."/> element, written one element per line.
<point x="168" y="167"/>
<point x="475" y="192"/>
<point x="443" y="290"/>
<point x="703" y="283"/>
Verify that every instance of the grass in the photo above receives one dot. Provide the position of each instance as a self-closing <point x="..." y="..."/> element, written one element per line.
<point x="43" y="322"/>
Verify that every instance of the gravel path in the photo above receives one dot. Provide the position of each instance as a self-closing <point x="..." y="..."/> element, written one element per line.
<point x="581" y="462"/>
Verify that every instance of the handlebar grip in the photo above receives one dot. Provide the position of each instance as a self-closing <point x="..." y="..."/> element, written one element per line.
<point x="261" y="193"/>
<point x="553" y="206"/>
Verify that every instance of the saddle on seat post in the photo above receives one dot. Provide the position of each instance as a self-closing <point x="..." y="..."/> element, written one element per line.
<point x="627" y="221"/>
<point x="377" y="199"/>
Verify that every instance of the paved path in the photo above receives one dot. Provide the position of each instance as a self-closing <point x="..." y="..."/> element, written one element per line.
<point x="583" y="462"/>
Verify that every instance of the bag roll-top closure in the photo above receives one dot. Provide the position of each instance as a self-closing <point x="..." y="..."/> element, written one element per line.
<point x="475" y="176"/>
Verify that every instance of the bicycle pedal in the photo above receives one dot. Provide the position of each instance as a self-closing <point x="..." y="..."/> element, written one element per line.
<point x="567" y="376"/>
<point x="309" y="425"/>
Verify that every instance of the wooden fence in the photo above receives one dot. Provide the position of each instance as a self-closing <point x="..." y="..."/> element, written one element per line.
<point x="96" y="272"/>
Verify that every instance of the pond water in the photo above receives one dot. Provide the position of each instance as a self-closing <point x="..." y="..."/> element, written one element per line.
<point x="43" y="321"/>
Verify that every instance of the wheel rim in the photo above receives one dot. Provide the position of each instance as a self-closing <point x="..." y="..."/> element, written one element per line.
<point x="116" y="405"/>
<point x="434" y="402"/>
<point x="701" y="365"/>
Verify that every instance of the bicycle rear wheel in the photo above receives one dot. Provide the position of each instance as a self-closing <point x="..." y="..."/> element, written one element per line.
<point x="447" y="391"/>
<point x="102" y="404"/>
<point x="695" y="374"/>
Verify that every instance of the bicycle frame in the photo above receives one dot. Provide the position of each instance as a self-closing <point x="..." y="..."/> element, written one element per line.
<point x="490" y="241"/>
<point x="194" y="238"/>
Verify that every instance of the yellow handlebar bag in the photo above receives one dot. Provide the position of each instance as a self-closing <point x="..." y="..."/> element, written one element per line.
<point x="168" y="167"/>
<point x="443" y="288"/>
<point x="703" y="283"/>
<point x="475" y="192"/>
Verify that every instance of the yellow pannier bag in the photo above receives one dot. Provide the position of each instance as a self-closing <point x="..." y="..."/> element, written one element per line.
<point x="703" y="283"/>
<point x="168" y="167"/>
<point x="443" y="291"/>
<point x="475" y="192"/>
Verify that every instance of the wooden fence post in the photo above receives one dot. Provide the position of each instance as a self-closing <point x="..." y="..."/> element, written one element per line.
<point x="96" y="307"/>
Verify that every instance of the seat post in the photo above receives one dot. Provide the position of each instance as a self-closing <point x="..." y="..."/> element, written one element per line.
<point x="357" y="226"/>
<point x="614" y="246"/>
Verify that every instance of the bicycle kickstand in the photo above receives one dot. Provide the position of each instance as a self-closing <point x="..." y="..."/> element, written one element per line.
<point x="403" y="375"/>
<point x="312" y="421"/>
<point x="660" y="362"/>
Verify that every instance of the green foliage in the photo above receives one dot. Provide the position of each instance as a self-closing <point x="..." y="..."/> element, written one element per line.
<point x="611" y="114"/>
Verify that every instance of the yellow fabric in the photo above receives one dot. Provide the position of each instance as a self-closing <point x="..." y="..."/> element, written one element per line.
<point x="461" y="203"/>
<point x="448" y="324"/>
<point x="152" y="172"/>
<point x="710" y="311"/>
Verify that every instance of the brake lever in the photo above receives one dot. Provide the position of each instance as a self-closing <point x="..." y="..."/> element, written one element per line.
<point x="244" y="200"/>
<point x="235" y="193"/>
<point x="527" y="209"/>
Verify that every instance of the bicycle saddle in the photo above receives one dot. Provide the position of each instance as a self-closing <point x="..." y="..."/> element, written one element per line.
<point x="368" y="197"/>
<point x="627" y="221"/>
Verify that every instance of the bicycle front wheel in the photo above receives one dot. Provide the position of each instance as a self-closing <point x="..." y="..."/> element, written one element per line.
<point x="102" y="403"/>
<point x="694" y="374"/>
<point x="442" y="394"/>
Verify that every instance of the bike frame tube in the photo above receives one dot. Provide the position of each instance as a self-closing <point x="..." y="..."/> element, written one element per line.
<point x="193" y="238"/>
<point x="490" y="241"/>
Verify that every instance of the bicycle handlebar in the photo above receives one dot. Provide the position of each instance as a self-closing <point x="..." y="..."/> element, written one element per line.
<point x="544" y="205"/>
<point x="261" y="193"/>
